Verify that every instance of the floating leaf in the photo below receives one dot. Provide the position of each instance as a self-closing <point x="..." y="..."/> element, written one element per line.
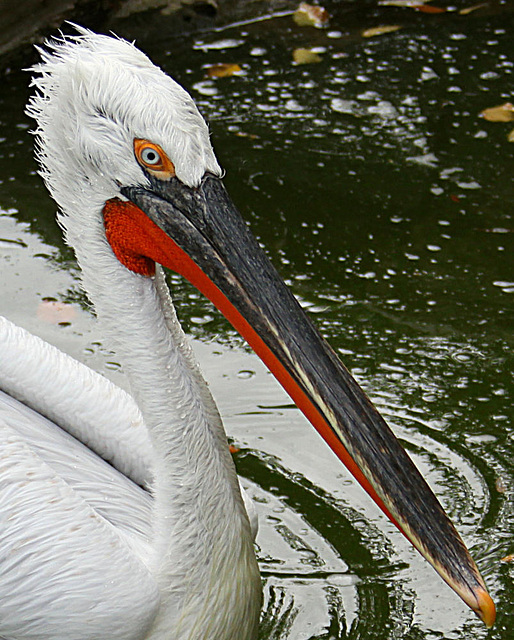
<point x="223" y="70"/>
<point x="305" y="56"/>
<point x="500" y="485"/>
<point x="466" y="10"/>
<point x="378" y="31"/>
<point x="244" y="134"/>
<point x="309" y="15"/>
<point x="510" y="137"/>
<point x="502" y="113"/>
<point x="426" y="8"/>
<point x="54" y="312"/>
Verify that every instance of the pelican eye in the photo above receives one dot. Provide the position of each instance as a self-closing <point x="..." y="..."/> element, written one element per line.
<point x="151" y="157"/>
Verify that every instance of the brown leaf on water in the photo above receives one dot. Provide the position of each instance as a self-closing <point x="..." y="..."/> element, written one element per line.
<point x="509" y="558"/>
<point x="426" y="8"/>
<point x="466" y="10"/>
<point x="379" y="31"/>
<point x="305" y="56"/>
<point x="500" y="485"/>
<point x="223" y="70"/>
<point x="501" y="113"/>
<point x="54" y="312"/>
<point x="510" y="137"/>
<point x="309" y="15"/>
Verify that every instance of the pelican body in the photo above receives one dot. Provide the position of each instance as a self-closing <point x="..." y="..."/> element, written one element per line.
<point x="85" y="551"/>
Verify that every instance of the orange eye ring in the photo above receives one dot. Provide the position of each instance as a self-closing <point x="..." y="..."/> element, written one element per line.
<point x="153" y="159"/>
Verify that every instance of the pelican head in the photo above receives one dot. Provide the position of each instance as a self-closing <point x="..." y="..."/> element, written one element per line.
<point x="96" y="95"/>
<point x="127" y="156"/>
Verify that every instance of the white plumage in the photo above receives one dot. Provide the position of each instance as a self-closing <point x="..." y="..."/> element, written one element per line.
<point x="69" y="569"/>
<point x="85" y="552"/>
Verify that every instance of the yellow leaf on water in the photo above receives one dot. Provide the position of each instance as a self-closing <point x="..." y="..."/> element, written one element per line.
<point x="510" y="137"/>
<point x="305" y="56"/>
<point x="501" y="113"/>
<point x="244" y="134"/>
<point x="509" y="558"/>
<point x="309" y="15"/>
<point x="378" y="31"/>
<point x="467" y="10"/>
<point x="223" y="70"/>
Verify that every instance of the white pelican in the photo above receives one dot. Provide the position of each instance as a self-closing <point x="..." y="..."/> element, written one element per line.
<point x="85" y="552"/>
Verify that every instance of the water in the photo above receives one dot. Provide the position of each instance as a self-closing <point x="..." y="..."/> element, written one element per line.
<point x="386" y="203"/>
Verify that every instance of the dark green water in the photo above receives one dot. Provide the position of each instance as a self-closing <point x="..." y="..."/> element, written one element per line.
<point x="386" y="202"/>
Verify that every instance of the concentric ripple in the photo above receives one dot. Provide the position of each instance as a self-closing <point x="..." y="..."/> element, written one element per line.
<point x="385" y="200"/>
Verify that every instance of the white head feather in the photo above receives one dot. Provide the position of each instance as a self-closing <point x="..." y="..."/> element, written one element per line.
<point x="95" y="95"/>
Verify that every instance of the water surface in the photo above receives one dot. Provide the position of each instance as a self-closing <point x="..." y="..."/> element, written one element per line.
<point x="385" y="201"/>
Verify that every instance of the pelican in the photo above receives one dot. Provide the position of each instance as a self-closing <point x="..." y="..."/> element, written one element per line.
<point x="126" y="521"/>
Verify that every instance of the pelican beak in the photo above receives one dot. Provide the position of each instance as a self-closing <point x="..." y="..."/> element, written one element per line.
<point x="202" y="236"/>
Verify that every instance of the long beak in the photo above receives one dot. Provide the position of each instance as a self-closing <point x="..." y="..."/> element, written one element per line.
<point x="202" y="236"/>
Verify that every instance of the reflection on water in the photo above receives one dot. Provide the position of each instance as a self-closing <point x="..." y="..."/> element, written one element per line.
<point x="386" y="203"/>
